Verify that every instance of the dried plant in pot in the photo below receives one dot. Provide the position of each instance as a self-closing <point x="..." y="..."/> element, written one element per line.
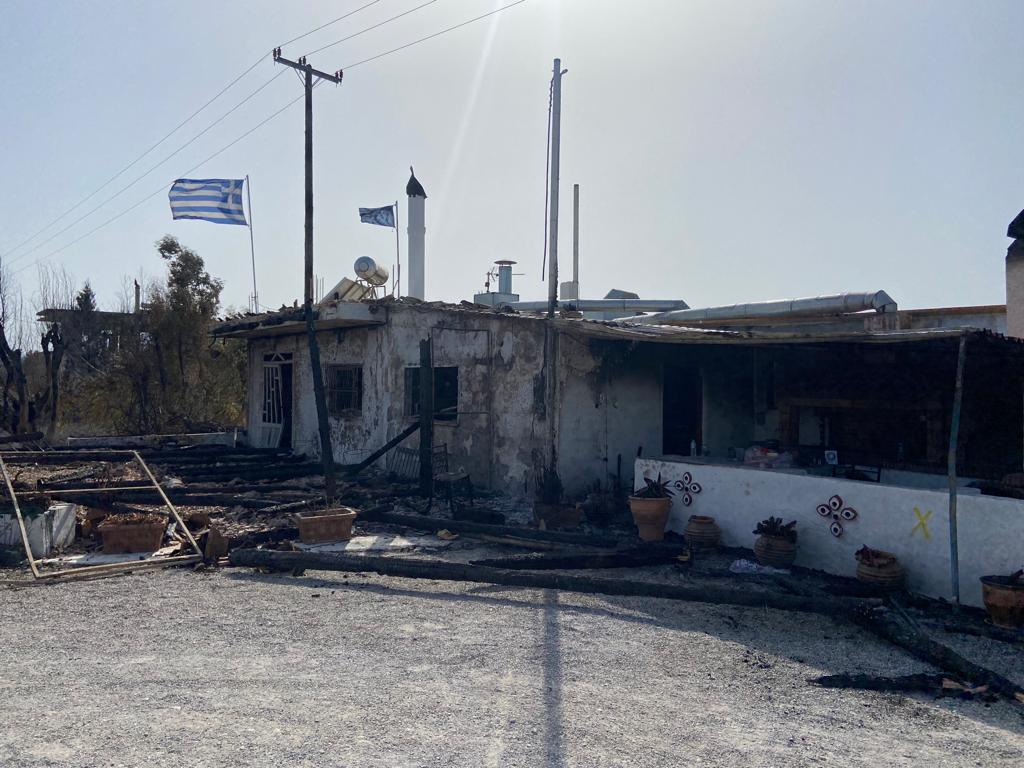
<point x="880" y="568"/>
<point x="650" y="506"/>
<point x="133" y="532"/>
<point x="776" y="542"/>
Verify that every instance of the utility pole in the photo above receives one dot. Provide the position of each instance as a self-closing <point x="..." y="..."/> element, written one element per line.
<point x="556" y="134"/>
<point x="326" y="452"/>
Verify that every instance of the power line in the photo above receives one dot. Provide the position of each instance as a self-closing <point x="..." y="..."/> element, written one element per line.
<point x="363" y="31"/>
<point x="176" y="128"/>
<point x="156" y="192"/>
<point x="436" y="34"/>
<point x="139" y="178"/>
<point x="254" y="128"/>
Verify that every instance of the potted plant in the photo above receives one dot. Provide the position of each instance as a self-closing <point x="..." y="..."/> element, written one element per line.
<point x="776" y="542"/>
<point x="132" y="532"/>
<point x="702" y="531"/>
<point x="875" y="566"/>
<point x="548" y="509"/>
<point x="650" y="507"/>
<point x="1004" y="599"/>
<point x="326" y="525"/>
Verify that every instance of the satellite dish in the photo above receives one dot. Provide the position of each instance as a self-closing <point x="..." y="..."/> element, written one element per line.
<point x="369" y="270"/>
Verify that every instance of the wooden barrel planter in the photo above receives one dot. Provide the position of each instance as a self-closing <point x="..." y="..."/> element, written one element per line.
<point x="880" y="569"/>
<point x="326" y="525"/>
<point x="132" y="533"/>
<point x="702" y="531"/>
<point x="775" y="551"/>
<point x="650" y="516"/>
<point x="1004" y="600"/>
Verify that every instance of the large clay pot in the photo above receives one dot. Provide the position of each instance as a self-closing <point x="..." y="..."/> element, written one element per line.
<point x="326" y="525"/>
<point x="702" y="531"/>
<point x="1004" y="600"/>
<point x="885" y="572"/>
<point x="650" y="516"/>
<point x="776" y="551"/>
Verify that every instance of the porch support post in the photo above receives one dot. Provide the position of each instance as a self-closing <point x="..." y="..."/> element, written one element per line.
<point x="954" y="441"/>
<point x="426" y="418"/>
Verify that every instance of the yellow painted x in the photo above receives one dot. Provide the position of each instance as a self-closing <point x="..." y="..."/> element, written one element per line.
<point x="922" y="523"/>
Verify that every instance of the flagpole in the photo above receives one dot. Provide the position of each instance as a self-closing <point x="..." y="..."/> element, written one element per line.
<point x="252" y="249"/>
<point x="398" y="258"/>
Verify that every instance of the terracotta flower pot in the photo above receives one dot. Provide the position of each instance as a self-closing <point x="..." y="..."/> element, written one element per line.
<point x="884" y="571"/>
<point x="650" y="516"/>
<point x="775" y="551"/>
<point x="702" y="531"/>
<point x="326" y="525"/>
<point x="1004" y="600"/>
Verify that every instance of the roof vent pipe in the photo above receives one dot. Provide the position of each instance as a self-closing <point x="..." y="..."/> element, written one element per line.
<point x="837" y="304"/>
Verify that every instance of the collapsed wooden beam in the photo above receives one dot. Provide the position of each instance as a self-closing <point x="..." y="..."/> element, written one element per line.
<point x="886" y="624"/>
<point x="638" y="557"/>
<point x="422" y="523"/>
<point x="411" y="568"/>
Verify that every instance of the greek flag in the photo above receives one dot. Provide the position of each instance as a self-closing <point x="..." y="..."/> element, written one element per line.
<point x="216" y="200"/>
<point x="384" y="217"/>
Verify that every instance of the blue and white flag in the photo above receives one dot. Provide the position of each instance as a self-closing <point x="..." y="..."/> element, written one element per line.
<point x="216" y="200"/>
<point x="384" y="217"/>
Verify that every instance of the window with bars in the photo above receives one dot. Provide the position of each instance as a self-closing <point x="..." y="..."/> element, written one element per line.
<point x="344" y="389"/>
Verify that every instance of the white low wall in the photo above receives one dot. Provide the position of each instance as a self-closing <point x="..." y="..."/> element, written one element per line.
<point x="991" y="529"/>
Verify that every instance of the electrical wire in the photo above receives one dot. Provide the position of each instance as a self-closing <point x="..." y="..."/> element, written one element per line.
<point x="260" y="124"/>
<point x="139" y="178"/>
<point x="163" y="188"/>
<point x="175" y="129"/>
<point x="436" y="34"/>
<point x="363" y="31"/>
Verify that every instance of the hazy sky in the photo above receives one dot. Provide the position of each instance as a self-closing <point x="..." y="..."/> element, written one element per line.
<point x="726" y="151"/>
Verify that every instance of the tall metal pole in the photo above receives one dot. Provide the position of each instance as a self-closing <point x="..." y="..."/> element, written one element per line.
<point x="398" y="258"/>
<point x="576" y="236"/>
<point x="954" y="441"/>
<point x="556" y="134"/>
<point x="252" y="249"/>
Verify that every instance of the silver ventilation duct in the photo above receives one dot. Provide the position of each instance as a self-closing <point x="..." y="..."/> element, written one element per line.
<point x="602" y="305"/>
<point x="838" y="304"/>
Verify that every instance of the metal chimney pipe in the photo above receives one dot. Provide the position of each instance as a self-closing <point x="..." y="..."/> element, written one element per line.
<point x="505" y="276"/>
<point x="417" y="231"/>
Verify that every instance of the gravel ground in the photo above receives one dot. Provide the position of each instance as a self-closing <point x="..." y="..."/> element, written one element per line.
<point x="234" y="668"/>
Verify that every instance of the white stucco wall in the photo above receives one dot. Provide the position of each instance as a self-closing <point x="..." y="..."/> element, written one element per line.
<point x="991" y="530"/>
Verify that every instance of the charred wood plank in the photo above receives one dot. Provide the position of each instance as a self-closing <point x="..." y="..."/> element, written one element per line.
<point x="446" y="571"/>
<point x="886" y="625"/>
<point x="568" y="559"/>
<point x="939" y="685"/>
<point x="465" y="526"/>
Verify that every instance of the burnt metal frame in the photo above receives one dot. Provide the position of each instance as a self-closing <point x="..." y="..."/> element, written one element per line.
<point x="94" y="570"/>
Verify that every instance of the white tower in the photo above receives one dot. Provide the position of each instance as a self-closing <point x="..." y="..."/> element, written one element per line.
<point x="417" y="233"/>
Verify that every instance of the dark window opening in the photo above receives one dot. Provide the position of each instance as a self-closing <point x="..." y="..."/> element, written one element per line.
<point x="344" y="389"/>
<point x="446" y="392"/>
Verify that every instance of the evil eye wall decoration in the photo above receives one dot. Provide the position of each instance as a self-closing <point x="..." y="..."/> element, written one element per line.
<point x="688" y="488"/>
<point x="836" y="511"/>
